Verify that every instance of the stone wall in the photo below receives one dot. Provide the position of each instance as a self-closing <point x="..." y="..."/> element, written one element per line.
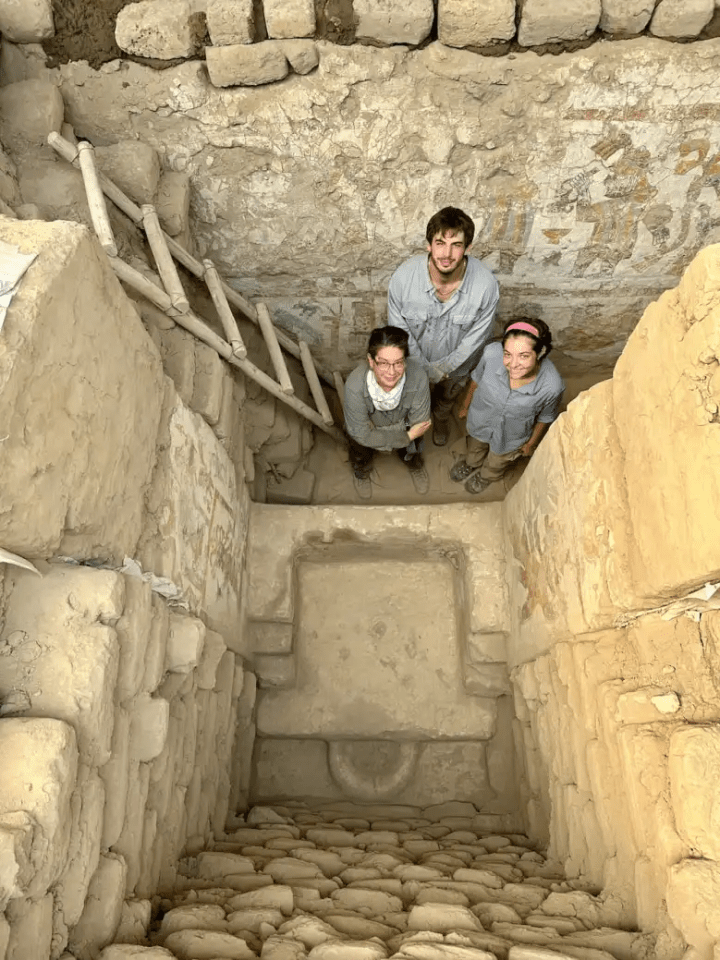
<point x="125" y="700"/>
<point x="591" y="177"/>
<point x="613" y="536"/>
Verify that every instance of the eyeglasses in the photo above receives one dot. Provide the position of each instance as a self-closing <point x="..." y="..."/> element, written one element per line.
<point x="384" y="365"/>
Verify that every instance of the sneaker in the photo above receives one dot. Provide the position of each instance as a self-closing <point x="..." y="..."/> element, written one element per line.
<point x="419" y="476"/>
<point x="461" y="470"/>
<point x="362" y="483"/>
<point x="476" y="484"/>
<point x="441" y="432"/>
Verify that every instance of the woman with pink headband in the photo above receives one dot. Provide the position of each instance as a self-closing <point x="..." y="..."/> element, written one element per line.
<point x="513" y="397"/>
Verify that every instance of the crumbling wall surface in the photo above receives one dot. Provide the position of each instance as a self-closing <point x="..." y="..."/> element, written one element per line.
<point x="125" y="706"/>
<point x="613" y="537"/>
<point x="80" y="392"/>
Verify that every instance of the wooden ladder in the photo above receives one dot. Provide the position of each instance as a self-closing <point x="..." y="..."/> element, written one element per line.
<point x="169" y="296"/>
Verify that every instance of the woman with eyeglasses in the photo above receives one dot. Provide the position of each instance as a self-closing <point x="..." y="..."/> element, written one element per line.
<point x="387" y="407"/>
<point x="513" y="397"/>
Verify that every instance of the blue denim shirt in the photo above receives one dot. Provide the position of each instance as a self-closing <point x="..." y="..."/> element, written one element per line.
<point x="505" y="418"/>
<point x="447" y="338"/>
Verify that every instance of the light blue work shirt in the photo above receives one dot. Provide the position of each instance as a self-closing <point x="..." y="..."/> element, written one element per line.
<point x="447" y="338"/>
<point x="505" y="418"/>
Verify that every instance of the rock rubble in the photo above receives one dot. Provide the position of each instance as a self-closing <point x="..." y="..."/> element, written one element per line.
<point x="345" y="881"/>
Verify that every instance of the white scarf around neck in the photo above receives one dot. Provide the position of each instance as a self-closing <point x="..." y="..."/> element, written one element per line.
<point x="384" y="400"/>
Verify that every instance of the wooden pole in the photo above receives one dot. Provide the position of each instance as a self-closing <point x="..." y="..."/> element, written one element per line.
<point x="199" y="329"/>
<point x="340" y="387"/>
<point x="95" y="198"/>
<point x="226" y="315"/>
<point x="315" y="388"/>
<point x="163" y="260"/>
<point x="278" y="361"/>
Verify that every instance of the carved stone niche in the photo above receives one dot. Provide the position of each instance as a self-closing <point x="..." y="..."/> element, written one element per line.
<point x="378" y="641"/>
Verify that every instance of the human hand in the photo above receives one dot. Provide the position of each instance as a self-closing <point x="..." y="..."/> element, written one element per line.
<point x="418" y="429"/>
<point x="527" y="449"/>
<point x="462" y="412"/>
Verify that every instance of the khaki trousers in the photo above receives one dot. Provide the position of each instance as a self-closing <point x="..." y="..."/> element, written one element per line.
<point x="493" y="465"/>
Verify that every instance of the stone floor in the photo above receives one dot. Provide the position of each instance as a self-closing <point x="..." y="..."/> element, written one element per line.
<point x="345" y="881"/>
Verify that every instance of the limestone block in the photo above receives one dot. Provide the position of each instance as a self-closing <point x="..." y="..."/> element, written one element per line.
<point x="173" y="201"/>
<point x="208" y="383"/>
<point x="132" y="629"/>
<point x="286" y="19"/>
<point x="302" y="55"/>
<point x="208" y="945"/>
<point x="212" y="653"/>
<point x="684" y="471"/>
<point x="296" y="767"/>
<point x="63" y="617"/>
<point x="155" y="650"/>
<point x="15" y="867"/>
<point x="29" y="111"/>
<point x="91" y="456"/>
<point x="212" y="865"/>
<point x="486" y="679"/>
<point x="355" y="950"/>
<point x="115" y="775"/>
<point x="693" y="759"/>
<point x="246" y="65"/>
<point x="178" y="353"/>
<point x="87" y="808"/>
<point x="134" y="921"/>
<point x="270" y="637"/>
<point x="39" y="762"/>
<point x="103" y="908"/>
<point x="543" y="21"/>
<point x="196" y="519"/>
<point x="164" y="29"/>
<point x="647" y="705"/>
<point x="387" y="22"/>
<point x="275" y="897"/>
<point x="149" y="718"/>
<point x="442" y="918"/>
<point x="277" y="672"/>
<point x="475" y="23"/>
<point x="186" y="638"/>
<point x="681" y="18"/>
<point x="52" y="190"/>
<point x="129" y="844"/>
<point x="133" y="166"/>
<point x="27" y="21"/>
<point x="203" y="916"/>
<point x="623" y="18"/>
<point x="130" y="951"/>
<point x="31" y="928"/>
<point x="230" y="21"/>
<point x="693" y="902"/>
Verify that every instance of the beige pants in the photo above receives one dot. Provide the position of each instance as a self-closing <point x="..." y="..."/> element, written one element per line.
<point x="493" y="465"/>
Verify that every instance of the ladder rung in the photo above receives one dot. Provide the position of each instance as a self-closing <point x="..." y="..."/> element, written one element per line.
<point x="163" y="259"/>
<point x="278" y="361"/>
<point x="340" y="387"/>
<point x="95" y="198"/>
<point x="227" y="318"/>
<point x="314" y="383"/>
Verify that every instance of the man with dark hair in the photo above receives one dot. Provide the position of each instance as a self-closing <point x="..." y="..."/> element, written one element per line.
<point x="446" y="301"/>
<point x="387" y="407"/>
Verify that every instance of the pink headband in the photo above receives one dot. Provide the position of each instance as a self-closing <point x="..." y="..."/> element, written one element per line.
<point x="524" y="326"/>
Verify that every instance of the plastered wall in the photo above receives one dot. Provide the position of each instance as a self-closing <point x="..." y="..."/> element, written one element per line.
<point x="613" y="537"/>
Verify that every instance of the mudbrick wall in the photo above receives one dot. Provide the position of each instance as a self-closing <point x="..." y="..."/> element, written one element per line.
<point x="613" y="535"/>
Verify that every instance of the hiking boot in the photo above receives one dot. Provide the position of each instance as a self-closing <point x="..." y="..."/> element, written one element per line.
<point x="476" y="484"/>
<point x="419" y="475"/>
<point x="461" y="470"/>
<point x="441" y="432"/>
<point x="362" y="483"/>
